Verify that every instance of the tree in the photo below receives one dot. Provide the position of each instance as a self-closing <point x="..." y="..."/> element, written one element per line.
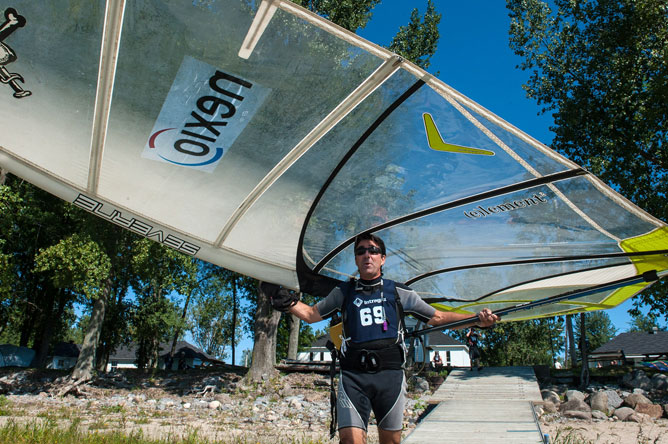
<point x="418" y="40"/>
<point x="159" y="272"/>
<point x="214" y="316"/>
<point x="601" y="68"/>
<point x="519" y="343"/>
<point x="209" y="317"/>
<point x="293" y="343"/>
<point x="38" y="306"/>
<point x="263" y="359"/>
<point x="79" y="263"/>
<point x="599" y="329"/>
<point x="570" y="340"/>
<point x="644" y="323"/>
<point x="350" y="14"/>
<point x="304" y="336"/>
<point x="58" y="257"/>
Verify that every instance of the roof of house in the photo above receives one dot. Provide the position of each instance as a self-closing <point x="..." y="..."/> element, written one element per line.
<point x="129" y="352"/>
<point x="636" y="343"/>
<point x="441" y="338"/>
<point x="182" y="349"/>
<point x="320" y="342"/>
<point x="66" y="350"/>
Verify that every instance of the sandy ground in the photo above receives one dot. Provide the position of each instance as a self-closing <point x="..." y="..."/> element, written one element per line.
<point x="107" y="405"/>
<point x="606" y="432"/>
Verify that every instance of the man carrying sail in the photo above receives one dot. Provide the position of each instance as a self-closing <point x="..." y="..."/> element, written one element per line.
<point x="372" y="350"/>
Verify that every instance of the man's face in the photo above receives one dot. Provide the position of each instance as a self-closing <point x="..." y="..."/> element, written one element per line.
<point x="368" y="263"/>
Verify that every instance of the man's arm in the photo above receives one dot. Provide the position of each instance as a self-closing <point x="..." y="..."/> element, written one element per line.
<point x="305" y="312"/>
<point x="485" y="318"/>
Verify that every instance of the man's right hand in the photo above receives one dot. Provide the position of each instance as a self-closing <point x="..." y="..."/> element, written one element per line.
<point x="281" y="298"/>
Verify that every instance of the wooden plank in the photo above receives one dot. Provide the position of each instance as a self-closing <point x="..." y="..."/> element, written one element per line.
<point x="493" y="406"/>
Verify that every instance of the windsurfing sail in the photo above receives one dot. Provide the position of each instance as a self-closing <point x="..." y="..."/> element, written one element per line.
<point x="265" y="140"/>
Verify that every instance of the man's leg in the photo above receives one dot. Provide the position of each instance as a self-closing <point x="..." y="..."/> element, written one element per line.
<point x="389" y="436"/>
<point x="353" y="435"/>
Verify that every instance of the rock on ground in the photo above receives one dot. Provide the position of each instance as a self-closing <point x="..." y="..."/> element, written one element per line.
<point x="218" y="405"/>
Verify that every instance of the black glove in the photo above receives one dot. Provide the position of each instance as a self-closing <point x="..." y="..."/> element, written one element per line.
<point x="281" y="298"/>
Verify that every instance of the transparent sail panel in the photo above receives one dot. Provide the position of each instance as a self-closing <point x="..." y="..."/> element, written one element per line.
<point x="402" y="170"/>
<point x="47" y="109"/>
<point x="232" y="160"/>
<point x="517" y="283"/>
<point x="278" y="216"/>
<point x="621" y="221"/>
<point x="531" y="223"/>
<point x="212" y="125"/>
<point x="535" y="158"/>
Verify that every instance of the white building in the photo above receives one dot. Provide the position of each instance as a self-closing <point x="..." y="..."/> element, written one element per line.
<point x="453" y="353"/>
<point x="186" y="355"/>
<point x="64" y="356"/>
<point x="317" y="352"/>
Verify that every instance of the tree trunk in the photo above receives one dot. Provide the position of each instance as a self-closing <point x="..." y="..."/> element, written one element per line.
<point x="571" y="340"/>
<point x="549" y="329"/>
<point x="293" y="343"/>
<point x="177" y="332"/>
<point x="83" y="370"/>
<point x="264" y="346"/>
<point x="584" y="374"/>
<point x="234" y="318"/>
<point x="28" y="322"/>
<point x="46" y="326"/>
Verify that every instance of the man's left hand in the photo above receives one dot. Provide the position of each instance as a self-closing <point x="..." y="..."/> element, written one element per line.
<point x="486" y="318"/>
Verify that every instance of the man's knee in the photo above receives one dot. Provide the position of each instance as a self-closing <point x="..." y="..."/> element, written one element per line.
<point x="389" y="436"/>
<point x="352" y="435"/>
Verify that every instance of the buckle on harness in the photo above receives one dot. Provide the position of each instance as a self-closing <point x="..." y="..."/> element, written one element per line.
<point x="369" y="361"/>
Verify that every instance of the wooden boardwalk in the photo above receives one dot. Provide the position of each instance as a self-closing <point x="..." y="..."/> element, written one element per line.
<point x="492" y="406"/>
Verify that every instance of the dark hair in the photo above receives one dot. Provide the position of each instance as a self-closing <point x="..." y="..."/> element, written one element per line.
<point x="371" y="237"/>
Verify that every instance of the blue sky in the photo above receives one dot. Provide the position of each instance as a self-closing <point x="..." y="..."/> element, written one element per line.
<point x="473" y="57"/>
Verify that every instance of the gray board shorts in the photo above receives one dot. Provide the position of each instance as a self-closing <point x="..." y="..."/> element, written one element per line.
<point x="384" y="392"/>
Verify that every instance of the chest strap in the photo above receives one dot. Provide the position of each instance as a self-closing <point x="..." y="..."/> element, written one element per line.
<point x="389" y="358"/>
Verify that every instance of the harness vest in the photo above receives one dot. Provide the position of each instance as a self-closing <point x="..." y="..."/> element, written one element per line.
<point x="372" y="326"/>
<point x="370" y="316"/>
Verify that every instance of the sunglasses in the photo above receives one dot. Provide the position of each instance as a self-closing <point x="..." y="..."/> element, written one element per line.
<point x="372" y="250"/>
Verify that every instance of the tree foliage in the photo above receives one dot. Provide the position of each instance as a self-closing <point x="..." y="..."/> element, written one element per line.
<point x="599" y="329"/>
<point x="531" y="342"/>
<point x="601" y="68"/>
<point x="75" y="262"/>
<point x="158" y="273"/>
<point x="215" y="318"/>
<point x="349" y="14"/>
<point x="417" y="41"/>
<point x="644" y="323"/>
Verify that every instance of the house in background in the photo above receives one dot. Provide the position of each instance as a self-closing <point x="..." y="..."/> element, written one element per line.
<point x="186" y="355"/>
<point x="317" y="352"/>
<point x="64" y="356"/>
<point x="453" y="353"/>
<point x="632" y="348"/>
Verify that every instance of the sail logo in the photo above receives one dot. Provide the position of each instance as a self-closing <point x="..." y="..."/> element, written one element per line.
<point x="12" y="22"/>
<point x="480" y="211"/>
<point x="130" y="223"/>
<point x="205" y="111"/>
<point x="435" y="140"/>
